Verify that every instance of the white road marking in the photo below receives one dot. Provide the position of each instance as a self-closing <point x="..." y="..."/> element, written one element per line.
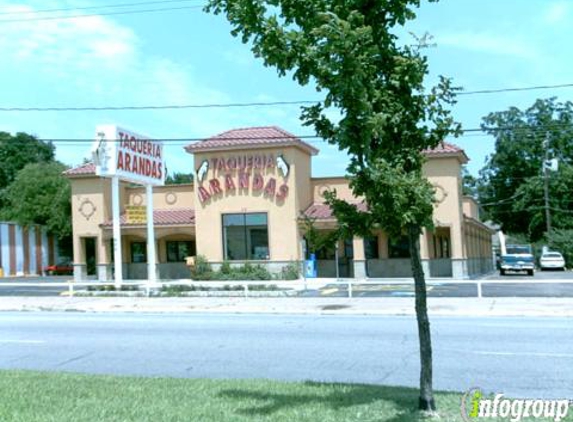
<point x="23" y="341"/>
<point x="493" y="353"/>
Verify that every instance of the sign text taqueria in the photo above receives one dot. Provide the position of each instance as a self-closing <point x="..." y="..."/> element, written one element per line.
<point x="242" y="172"/>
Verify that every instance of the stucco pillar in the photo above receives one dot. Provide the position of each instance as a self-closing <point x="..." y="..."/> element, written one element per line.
<point x="80" y="267"/>
<point x="359" y="260"/>
<point x="459" y="252"/>
<point x="103" y="266"/>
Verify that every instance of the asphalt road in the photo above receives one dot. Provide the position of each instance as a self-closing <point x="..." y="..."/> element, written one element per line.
<point x="46" y="290"/>
<point x="524" y="286"/>
<point x="522" y="357"/>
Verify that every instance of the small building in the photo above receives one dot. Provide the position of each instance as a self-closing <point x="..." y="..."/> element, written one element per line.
<point x="25" y="250"/>
<point x="253" y="189"/>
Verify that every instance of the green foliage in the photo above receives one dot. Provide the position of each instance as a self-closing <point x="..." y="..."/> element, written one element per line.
<point x="179" y="178"/>
<point x="202" y="269"/>
<point x="562" y="241"/>
<point x="40" y="194"/>
<point x="19" y="150"/>
<point x="318" y="239"/>
<point x="225" y="268"/>
<point x="511" y="183"/>
<point x="349" y="50"/>
<point x="290" y="272"/>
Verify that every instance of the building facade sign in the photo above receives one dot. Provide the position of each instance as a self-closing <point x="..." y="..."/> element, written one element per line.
<point x="245" y="173"/>
<point x="135" y="214"/>
<point x="132" y="157"/>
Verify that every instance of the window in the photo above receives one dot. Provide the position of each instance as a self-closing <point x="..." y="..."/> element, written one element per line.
<point x="371" y="247"/>
<point x="138" y="252"/>
<point x="245" y="236"/>
<point x="177" y="251"/>
<point x="441" y="246"/>
<point x="399" y="248"/>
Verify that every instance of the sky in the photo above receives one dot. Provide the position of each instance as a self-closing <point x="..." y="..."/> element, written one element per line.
<point x="185" y="56"/>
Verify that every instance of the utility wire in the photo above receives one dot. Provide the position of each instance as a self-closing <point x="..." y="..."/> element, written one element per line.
<point x="125" y="12"/>
<point x="528" y="88"/>
<point x="108" y="6"/>
<point x="159" y="107"/>
<point x="249" y="104"/>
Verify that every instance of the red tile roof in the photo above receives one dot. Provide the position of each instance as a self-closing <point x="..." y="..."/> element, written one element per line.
<point x="164" y="217"/>
<point x="445" y="149"/>
<point x="321" y="211"/>
<point x="84" y="170"/>
<point x="267" y="135"/>
<point x="250" y="137"/>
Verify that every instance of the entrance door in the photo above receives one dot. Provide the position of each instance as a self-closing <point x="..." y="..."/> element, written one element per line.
<point x="90" y="254"/>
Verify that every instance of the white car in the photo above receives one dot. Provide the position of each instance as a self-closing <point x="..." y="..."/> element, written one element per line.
<point x="552" y="261"/>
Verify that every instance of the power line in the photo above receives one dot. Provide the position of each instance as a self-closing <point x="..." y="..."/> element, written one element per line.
<point x="108" y="6"/>
<point x="249" y="104"/>
<point x="528" y="88"/>
<point x="125" y="12"/>
<point x="159" y="107"/>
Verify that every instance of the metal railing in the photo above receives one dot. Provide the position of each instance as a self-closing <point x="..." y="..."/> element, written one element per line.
<point x="300" y="284"/>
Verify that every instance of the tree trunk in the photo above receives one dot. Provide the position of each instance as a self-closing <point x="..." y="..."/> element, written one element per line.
<point x="426" y="401"/>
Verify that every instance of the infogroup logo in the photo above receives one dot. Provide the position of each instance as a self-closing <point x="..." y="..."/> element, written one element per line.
<point x="475" y="406"/>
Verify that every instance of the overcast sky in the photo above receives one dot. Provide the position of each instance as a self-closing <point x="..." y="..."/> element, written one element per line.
<point x="184" y="56"/>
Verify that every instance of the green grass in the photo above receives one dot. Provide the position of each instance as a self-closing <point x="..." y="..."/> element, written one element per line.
<point x="61" y="397"/>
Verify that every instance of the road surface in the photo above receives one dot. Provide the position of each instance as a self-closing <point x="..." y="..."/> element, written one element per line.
<point x="522" y="357"/>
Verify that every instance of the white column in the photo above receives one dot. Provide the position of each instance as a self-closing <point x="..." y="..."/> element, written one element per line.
<point x="151" y="263"/>
<point x="116" y="232"/>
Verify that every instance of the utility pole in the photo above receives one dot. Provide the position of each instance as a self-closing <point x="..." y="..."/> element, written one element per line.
<point x="546" y="185"/>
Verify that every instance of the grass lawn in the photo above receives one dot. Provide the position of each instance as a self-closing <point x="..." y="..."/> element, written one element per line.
<point x="61" y="397"/>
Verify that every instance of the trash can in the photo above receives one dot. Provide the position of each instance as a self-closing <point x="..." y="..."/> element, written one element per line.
<point x="310" y="267"/>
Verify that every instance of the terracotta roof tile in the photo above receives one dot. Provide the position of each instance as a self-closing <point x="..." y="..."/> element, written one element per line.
<point x="83" y="170"/>
<point x="164" y="217"/>
<point x="251" y="137"/>
<point x="320" y="211"/>
<point x="445" y="149"/>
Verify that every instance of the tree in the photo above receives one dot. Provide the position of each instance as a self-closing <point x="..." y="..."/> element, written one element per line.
<point x="348" y="50"/>
<point x="511" y="184"/>
<point x="40" y="194"/>
<point x="318" y="240"/>
<point x="179" y="178"/>
<point x="18" y="151"/>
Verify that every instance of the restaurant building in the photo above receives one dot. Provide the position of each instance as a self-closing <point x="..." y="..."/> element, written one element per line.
<point x="253" y="190"/>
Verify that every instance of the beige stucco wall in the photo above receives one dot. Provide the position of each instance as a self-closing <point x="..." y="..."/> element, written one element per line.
<point x="470" y="207"/>
<point x="282" y="214"/>
<point x="91" y="206"/>
<point x="445" y="175"/>
<point x="164" y="197"/>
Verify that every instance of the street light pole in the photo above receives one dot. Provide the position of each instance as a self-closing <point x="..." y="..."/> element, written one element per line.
<point x="546" y="185"/>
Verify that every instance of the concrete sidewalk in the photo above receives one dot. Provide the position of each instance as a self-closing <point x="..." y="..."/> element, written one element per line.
<point x="545" y="307"/>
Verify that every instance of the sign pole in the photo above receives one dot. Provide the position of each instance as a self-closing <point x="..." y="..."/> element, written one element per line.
<point x="151" y="261"/>
<point x="116" y="232"/>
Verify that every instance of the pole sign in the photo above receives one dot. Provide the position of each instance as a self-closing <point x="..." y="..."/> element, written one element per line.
<point x="131" y="157"/>
<point x="135" y="214"/>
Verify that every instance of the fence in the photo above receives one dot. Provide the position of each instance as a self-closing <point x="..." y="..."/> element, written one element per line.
<point x="301" y="284"/>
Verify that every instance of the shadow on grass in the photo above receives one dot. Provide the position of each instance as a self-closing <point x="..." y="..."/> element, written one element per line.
<point x="401" y="402"/>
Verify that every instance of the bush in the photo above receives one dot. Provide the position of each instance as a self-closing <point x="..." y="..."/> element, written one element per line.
<point x="248" y="271"/>
<point x="225" y="268"/>
<point x="290" y="272"/>
<point x="202" y="269"/>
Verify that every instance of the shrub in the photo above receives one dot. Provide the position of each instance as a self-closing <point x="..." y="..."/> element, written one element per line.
<point x="225" y="268"/>
<point x="202" y="269"/>
<point x="290" y="272"/>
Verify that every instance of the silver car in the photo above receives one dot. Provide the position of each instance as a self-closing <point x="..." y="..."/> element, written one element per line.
<point x="552" y="261"/>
